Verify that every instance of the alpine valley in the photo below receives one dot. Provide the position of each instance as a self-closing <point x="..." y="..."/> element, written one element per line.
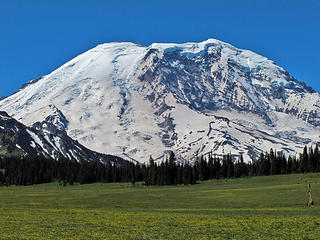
<point x="133" y="101"/>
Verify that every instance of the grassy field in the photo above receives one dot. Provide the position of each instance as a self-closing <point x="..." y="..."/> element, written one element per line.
<point x="249" y="208"/>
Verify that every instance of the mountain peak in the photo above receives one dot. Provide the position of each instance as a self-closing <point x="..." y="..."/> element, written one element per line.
<point x="193" y="98"/>
<point x="116" y="45"/>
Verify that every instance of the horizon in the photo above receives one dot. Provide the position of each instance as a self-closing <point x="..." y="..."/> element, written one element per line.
<point x="41" y="36"/>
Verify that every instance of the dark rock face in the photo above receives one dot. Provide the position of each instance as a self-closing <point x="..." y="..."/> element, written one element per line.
<point x="209" y="83"/>
<point x="45" y="140"/>
<point x="56" y="123"/>
<point x="4" y="114"/>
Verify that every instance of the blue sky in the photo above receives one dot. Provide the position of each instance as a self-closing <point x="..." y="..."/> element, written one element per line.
<point x="38" y="36"/>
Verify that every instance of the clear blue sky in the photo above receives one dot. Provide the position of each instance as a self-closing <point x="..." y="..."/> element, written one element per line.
<point x="37" y="36"/>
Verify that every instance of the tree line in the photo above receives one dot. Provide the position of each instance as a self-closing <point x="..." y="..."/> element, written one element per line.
<point x="36" y="170"/>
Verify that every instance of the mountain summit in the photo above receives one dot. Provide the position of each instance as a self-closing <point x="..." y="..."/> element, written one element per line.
<point x="133" y="101"/>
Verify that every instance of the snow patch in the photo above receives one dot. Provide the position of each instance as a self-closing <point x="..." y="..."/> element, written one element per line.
<point x="37" y="140"/>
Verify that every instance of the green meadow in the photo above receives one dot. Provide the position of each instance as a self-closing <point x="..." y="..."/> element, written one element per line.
<point x="272" y="207"/>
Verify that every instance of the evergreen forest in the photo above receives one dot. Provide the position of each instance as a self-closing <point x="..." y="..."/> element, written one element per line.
<point x="28" y="171"/>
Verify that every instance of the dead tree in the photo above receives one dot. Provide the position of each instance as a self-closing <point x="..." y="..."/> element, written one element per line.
<point x="310" y="202"/>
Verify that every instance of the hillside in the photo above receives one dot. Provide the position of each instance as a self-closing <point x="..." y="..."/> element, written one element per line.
<point x="44" y="140"/>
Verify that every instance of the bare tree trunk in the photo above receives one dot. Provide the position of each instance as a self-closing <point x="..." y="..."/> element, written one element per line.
<point x="310" y="202"/>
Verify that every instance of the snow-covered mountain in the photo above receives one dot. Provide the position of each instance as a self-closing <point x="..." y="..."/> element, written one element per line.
<point x="44" y="140"/>
<point x="133" y="101"/>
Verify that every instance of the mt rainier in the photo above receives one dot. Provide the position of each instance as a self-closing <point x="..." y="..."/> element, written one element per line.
<point x="134" y="101"/>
